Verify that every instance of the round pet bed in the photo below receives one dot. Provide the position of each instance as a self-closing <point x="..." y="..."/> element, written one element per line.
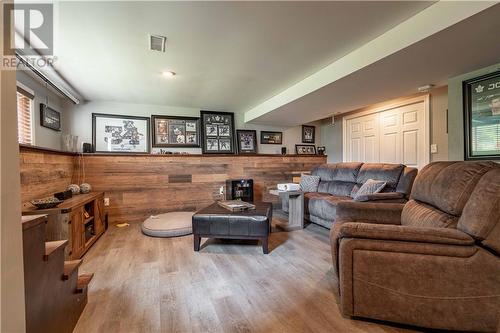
<point x="168" y="225"/>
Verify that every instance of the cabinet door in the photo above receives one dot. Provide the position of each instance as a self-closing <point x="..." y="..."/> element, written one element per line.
<point x="77" y="233"/>
<point x="99" y="215"/>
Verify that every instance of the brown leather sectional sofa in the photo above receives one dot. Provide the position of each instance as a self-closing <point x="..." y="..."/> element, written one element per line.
<point x="432" y="262"/>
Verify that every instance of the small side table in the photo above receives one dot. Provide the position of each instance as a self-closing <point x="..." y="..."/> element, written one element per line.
<point x="295" y="209"/>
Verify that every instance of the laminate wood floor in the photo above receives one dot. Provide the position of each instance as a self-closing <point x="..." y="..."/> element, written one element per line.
<point x="145" y="284"/>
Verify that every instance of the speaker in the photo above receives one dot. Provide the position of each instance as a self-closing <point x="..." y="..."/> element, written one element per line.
<point x="283" y="150"/>
<point x="87" y="147"/>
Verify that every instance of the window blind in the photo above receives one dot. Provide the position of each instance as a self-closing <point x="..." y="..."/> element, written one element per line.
<point x="24" y="102"/>
<point x="486" y="139"/>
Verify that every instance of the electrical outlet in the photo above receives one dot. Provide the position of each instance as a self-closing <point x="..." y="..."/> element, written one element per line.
<point x="106" y="201"/>
<point x="221" y="190"/>
<point x="434" y="148"/>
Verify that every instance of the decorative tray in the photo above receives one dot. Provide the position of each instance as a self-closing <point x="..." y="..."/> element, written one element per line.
<point x="46" y="203"/>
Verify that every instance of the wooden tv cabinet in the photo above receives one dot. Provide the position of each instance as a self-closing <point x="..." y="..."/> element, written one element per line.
<point x="79" y="219"/>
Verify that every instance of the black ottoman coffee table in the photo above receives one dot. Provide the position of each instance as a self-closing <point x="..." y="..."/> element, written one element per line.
<point x="215" y="221"/>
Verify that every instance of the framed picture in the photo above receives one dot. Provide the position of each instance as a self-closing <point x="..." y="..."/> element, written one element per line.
<point x="271" y="138"/>
<point x="50" y="118"/>
<point x="305" y="149"/>
<point x="120" y="134"/>
<point x="482" y="117"/>
<point x="217" y="129"/>
<point x="172" y="131"/>
<point x="247" y="141"/>
<point x="308" y="134"/>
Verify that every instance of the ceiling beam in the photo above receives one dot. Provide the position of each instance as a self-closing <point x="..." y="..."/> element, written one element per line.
<point x="431" y="20"/>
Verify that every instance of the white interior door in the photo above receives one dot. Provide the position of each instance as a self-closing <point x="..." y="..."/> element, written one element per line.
<point x="363" y="138"/>
<point x="414" y="144"/>
<point x="354" y="138"/>
<point x="395" y="135"/>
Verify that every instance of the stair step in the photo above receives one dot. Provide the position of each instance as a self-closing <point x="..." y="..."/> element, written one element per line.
<point x="51" y="247"/>
<point x="83" y="282"/>
<point x="70" y="267"/>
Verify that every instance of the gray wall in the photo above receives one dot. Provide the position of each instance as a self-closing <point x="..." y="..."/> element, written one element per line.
<point x="331" y="138"/>
<point x="439" y="136"/>
<point x="81" y="123"/>
<point x="42" y="136"/>
<point x="456" y="111"/>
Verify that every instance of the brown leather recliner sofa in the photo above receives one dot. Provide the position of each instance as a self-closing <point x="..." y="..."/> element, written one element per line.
<point x="432" y="262"/>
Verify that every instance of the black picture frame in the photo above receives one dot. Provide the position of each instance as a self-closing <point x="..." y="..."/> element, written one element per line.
<point x="308" y="134"/>
<point x="50" y="118"/>
<point x="305" y="149"/>
<point x="271" y="138"/>
<point x="481" y="103"/>
<point x="243" y="148"/>
<point x="98" y="134"/>
<point x="217" y="132"/>
<point x="190" y="136"/>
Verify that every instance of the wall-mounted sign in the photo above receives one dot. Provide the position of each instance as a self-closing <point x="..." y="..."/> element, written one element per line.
<point x="271" y="138"/>
<point x="50" y="118"/>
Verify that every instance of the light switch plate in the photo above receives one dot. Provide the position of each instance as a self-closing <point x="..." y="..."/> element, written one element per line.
<point x="106" y="201"/>
<point x="434" y="148"/>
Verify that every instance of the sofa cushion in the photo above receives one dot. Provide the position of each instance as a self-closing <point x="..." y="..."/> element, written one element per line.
<point x="448" y="185"/>
<point x="371" y="186"/>
<point x="325" y="206"/>
<point x="309" y="183"/>
<point x="310" y="195"/>
<point x="346" y="172"/>
<point x="419" y="214"/>
<point x="336" y="187"/>
<point x="406" y="181"/>
<point x="388" y="173"/>
<point x="481" y="215"/>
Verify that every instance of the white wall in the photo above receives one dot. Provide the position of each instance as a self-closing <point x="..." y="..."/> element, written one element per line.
<point x="81" y="123"/>
<point x="42" y="136"/>
<point x="12" y="317"/>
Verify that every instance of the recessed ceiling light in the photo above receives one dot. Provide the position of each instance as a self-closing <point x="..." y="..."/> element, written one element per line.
<point x="168" y="74"/>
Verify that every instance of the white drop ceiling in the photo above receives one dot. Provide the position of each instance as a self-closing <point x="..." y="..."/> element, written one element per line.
<point x="227" y="55"/>
<point x="235" y="56"/>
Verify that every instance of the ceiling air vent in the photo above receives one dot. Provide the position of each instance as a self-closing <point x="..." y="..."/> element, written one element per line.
<point x="157" y="43"/>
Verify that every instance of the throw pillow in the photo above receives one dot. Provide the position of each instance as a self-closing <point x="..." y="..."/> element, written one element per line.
<point x="309" y="183"/>
<point x="369" y="187"/>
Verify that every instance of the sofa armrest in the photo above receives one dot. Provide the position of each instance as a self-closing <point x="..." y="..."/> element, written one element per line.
<point x="404" y="233"/>
<point x="384" y="196"/>
<point x="371" y="212"/>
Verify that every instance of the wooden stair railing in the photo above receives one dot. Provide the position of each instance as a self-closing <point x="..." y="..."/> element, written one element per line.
<point x="55" y="295"/>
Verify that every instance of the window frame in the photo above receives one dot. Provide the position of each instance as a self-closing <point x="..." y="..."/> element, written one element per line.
<point x="30" y="94"/>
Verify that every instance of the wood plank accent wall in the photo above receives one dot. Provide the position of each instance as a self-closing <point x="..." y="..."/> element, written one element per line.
<point x="44" y="173"/>
<point x="141" y="185"/>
